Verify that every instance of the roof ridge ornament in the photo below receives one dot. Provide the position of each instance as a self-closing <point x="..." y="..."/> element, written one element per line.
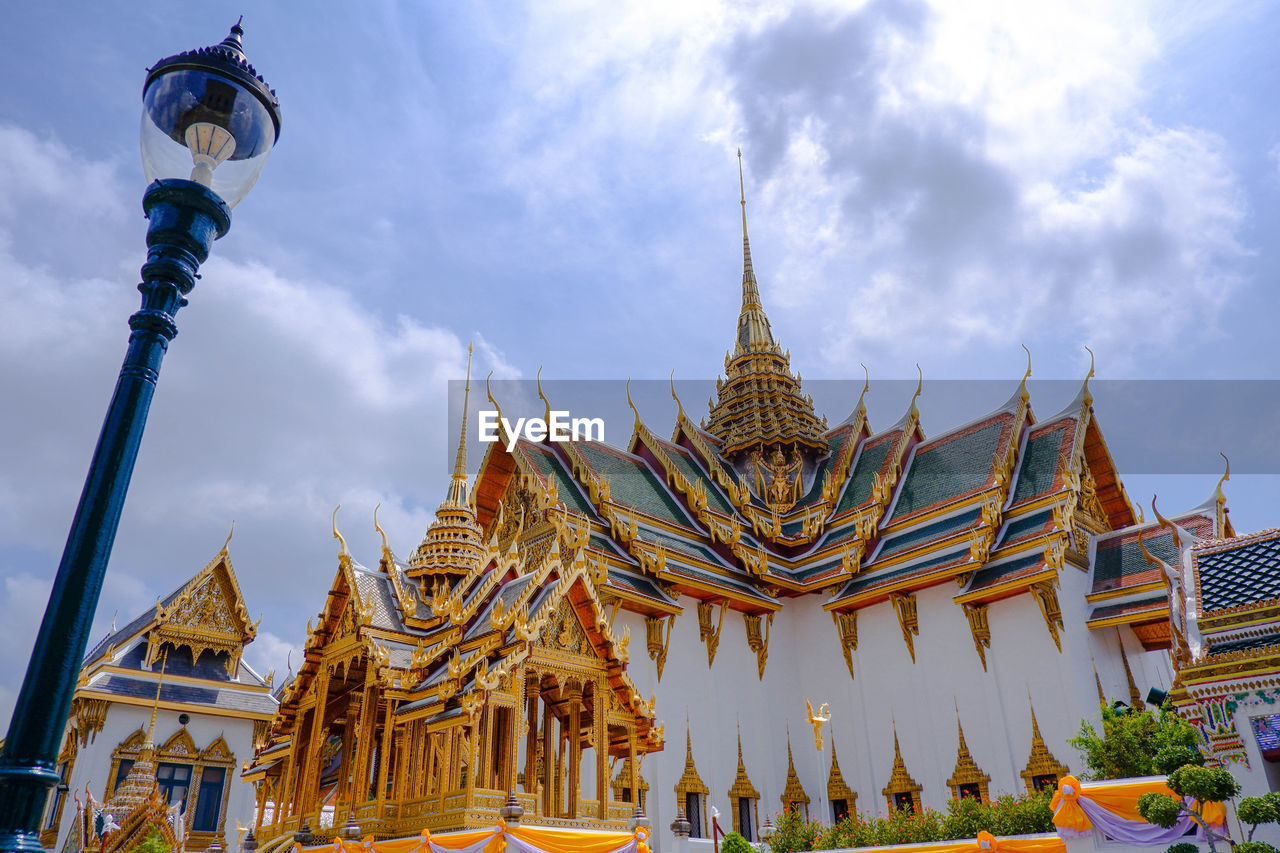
<point x="231" y="532"/>
<point x="914" y="412"/>
<point x="546" y="413"/>
<point x="1022" y="387"/>
<point x="342" y="543"/>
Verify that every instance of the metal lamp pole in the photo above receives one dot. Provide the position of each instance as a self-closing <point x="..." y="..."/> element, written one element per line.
<point x="206" y="113"/>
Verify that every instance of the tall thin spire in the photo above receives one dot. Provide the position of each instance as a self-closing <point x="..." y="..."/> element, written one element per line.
<point x="754" y="334"/>
<point x="458" y="485"/>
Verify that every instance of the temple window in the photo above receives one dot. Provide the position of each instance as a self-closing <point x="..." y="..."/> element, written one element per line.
<point x="902" y="792"/>
<point x="743" y="798"/>
<point x="967" y="780"/>
<point x="843" y="800"/>
<point x="691" y="793"/>
<point x="1042" y="770"/>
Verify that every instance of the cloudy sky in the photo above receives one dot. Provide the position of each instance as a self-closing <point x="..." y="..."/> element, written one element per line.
<point x="933" y="183"/>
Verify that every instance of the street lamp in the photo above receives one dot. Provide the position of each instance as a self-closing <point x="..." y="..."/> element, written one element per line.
<point x="208" y="123"/>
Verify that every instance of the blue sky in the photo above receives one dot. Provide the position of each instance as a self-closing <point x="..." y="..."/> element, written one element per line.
<point x="933" y="183"/>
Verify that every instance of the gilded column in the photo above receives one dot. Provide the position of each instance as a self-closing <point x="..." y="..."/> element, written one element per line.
<point x="531" y="735"/>
<point x="386" y="760"/>
<point x="632" y="749"/>
<point x="262" y="806"/>
<point x="285" y="798"/>
<point x="310" y="783"/>
<point x="548" y="759"/>
<point x="602" y="752"/>
<point x="575" y="750"/>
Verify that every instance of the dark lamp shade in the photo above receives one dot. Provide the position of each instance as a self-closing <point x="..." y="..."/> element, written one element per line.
<point x="205" y="127"/>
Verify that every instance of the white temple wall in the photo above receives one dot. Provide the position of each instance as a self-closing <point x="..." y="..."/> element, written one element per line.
<point x="93" y="762"/>
<point x="805" y="661"/>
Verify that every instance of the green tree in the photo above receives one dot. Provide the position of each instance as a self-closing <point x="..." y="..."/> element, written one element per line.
<point x="1136" y="742"/>
<point x="1259" y="810"/>
<point x="1200" y="784"/>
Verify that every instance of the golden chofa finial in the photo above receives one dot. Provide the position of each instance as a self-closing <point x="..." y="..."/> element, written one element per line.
<point x="1088" y="395"/>
<point x="1218" y="495"/>
<point x="866" y="386"/>
<point x="915" y="412"/>
<point x="227" y="544"/>
<point x="546" y="413"/>
<point x="342" y="543"/>
<point x="634" y="410"/>
<point x="1022" y="388"/>
<point x="386" y="549"/>
<point x="1164" y="522"/>
<point x="672" y="380"/>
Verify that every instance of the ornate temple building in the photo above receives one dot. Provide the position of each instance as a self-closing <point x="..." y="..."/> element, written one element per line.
<point x="587" y="630"/>
<point x="163" y="717"/>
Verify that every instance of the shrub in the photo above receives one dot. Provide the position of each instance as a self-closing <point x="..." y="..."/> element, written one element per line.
<point x="1183" y="847"/>
<point x="1136" y="743"/>
<point x="735" y="843"/>
<point x="963" y="818"/>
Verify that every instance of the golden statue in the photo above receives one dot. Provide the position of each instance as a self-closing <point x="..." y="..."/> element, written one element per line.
<point x="816" y="720"/>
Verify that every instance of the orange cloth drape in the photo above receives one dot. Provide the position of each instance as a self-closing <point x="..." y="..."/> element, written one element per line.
<point x="1120" y="798"/>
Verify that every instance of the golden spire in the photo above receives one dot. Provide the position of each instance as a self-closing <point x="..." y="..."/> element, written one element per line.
<point x="451" y="546"/>
<point x="759" y="403"/>
<point x="1102" y="697"/>
<point x="754" y="334"/>
<point x="458" y="483"/>
<point x="135" y="790"/>
<point x="155" y="705"/>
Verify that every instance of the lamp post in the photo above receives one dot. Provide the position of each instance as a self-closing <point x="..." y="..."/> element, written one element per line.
<point x="208" y="123"/>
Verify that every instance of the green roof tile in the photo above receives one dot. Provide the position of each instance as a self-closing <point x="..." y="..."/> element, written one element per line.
<point x="1118" y="560"/>
<point x="692" y="473"/>
<point x="549" y="465"/>
<point x="948" y="469"/>
<point x="858" y="490"/>
<point x="632" y="483"/>
<point x="1039" y="465"/>
<point x="913" y="536"/>
<point x="1025" y="527"/>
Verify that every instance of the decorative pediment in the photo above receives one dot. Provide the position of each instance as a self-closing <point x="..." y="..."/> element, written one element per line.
<point x="179" y="745"/>
<point x="564" y="632"/>
<point x="218" y="751"/>
<point x="208" y="614"/>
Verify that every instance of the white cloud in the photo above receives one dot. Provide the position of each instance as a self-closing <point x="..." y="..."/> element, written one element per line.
<point x="278" y="400"/>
